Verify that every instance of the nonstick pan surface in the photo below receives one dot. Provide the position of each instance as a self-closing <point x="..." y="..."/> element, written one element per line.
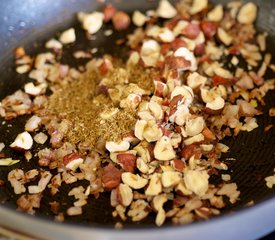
<point x="30" y="23"/>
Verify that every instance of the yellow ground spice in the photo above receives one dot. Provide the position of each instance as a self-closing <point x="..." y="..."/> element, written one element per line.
<point x="94" y="116"/>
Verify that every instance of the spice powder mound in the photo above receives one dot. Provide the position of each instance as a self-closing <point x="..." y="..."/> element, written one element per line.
<point x="91" y="114"/>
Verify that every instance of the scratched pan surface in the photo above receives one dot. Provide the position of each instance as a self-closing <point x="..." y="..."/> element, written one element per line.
<point x="29" y="23"/>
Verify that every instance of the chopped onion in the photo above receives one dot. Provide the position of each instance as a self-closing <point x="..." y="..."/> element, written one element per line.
<point x="8" y="161"/>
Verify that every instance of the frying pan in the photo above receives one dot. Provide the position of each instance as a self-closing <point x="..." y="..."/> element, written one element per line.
<point x="30" y="23"/>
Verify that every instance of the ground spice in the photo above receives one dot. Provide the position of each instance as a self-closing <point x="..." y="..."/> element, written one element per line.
<point x="79" y="103"/>
<point x="142" y="77"/>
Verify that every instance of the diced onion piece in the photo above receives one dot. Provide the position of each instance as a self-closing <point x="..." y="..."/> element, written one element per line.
<point x="8" y="161"/>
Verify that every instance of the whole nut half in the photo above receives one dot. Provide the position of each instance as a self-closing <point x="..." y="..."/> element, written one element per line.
<point x="67" y="36"/>
<point x="166" y="35"/>
<point x="33" y="123"/>
<point x="194" y="139"/>
<point x="196" y="181"/>
<point x="157" y="203"/>
<point x="156" y="110"/>
<point x="155" y="186"/>
<point x="217" y="104"/>
<point x="139" y="128"/>
<point x="216" y="14"/>
<point x="194" y="126"/>
<point x="33" y="90"/>
<point x="181" y="115"/>
<point x="143" y="152"/>
<point x="91" y="22"/>
<point x="139" y="18"/>
<point x="150" y="52"/>
<point x="176" y="139"/>
<point x="125" y="194"/>
<point x="72" y="161"/>
<point x="142" y="166"/>
<point x="188" y="55"/>
<point x="182" y="190"/>
<point x="170" y="178"/>
<point x="247" y="13"/>
<point x="198" y="6"/>
<point x="133" y="180"/>
<point x="163" y="150"/>
<point x="23" y="141"/>
<point x="224" y="37"/>
<point x="166" y="10"/>
<point x="152" y="132"/>
<point x="185" y="91"/>
<point x="117" y="147"/>
<point x="195" y="80"/>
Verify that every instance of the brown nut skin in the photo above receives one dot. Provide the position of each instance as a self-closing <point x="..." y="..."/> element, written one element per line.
<point x="176" y="44"/>
<point x="190" y="150"/>
<point x="179" y="165"/>
<point x="105" y="67"/>
<point x="199" y="49"/>
<point x="19" y="149"/>
<point x="211" y="111"/>
<point x="159" y="88"/>
<point x="165" y="131"/>
<point x="121" y="20"/>
<point x="110" y="177"/>
<point x="176" y="63"/>
<point x="19" y="52"/>
<point x="70" y="157"/>
<point x="103" y="89"/>
<point x="208" y="134"/>
<point x="2" y="183"/>
<point x="109" y="11"/>
<point x="209" y="28"/>
<point x="218" y="80"/>
<point x="171" y="23"/>
<point x="174" y="104"/>
<point x="192" y="31"/>
<point x="128" y="161"/>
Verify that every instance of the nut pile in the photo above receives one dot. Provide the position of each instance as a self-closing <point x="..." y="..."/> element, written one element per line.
<point x="197" y="96"/>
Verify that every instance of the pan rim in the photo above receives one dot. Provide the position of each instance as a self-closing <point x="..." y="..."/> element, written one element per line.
<point x="246" y="224"/>
<point x="108" y="227"/>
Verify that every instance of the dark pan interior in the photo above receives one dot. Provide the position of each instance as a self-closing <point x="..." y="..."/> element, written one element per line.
<point x="29" y="23"/>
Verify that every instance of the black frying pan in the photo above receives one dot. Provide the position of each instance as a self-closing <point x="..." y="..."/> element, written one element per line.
<point x="31" y="23"/>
